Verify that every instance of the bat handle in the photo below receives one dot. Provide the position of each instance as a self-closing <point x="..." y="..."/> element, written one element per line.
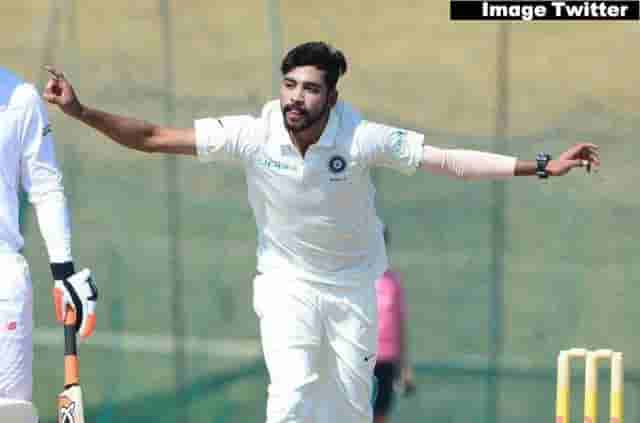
<point x="70" y="316"/>
<point x="71" y="365"/>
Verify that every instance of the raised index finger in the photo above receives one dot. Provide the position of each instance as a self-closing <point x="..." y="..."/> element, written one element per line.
<point x="56" y="74"/>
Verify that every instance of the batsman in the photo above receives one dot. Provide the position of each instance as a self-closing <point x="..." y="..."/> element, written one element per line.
<point x="308" y="160"/>
<point x="28" y="163"/>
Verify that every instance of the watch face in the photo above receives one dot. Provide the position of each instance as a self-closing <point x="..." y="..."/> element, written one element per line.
<point x="542" y="159"/>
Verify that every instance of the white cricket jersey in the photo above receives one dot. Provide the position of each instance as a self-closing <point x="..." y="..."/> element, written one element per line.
<point x="27" y="160"/>
<point x="315" y="216"/>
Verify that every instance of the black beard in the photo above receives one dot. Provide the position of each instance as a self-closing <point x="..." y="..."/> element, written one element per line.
<point x="308" y="122"/>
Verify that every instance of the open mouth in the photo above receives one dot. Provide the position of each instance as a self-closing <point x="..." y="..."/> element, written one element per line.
<point x="295" y="113"/>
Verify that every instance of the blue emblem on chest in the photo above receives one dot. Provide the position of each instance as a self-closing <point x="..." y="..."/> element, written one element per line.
<point x="337" y="164"/>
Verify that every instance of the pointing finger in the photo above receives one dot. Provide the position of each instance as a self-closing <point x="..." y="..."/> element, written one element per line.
<point x="56" y="74"/>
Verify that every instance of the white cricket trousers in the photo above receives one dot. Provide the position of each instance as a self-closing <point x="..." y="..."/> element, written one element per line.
<point x="16" y="328"/>
<point x="319" y="343"/>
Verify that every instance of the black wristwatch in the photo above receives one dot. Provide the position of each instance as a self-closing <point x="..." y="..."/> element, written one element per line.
<point x="542" y="160"/>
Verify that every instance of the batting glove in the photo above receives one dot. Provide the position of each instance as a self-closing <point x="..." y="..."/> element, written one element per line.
<point x="79" y="292"/>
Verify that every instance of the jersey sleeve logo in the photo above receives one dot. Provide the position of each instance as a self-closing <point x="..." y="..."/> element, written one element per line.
<point x="398" y="140"/>
<point x="337" y="164"/>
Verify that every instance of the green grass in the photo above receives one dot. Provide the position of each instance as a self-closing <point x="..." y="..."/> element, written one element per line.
<point x="571" y="244"/>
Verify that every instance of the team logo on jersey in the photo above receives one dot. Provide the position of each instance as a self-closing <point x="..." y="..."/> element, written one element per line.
<point x="337" y="164"/>
<point x="66" y="410"/>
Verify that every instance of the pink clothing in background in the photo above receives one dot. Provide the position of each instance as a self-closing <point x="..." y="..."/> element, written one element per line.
<point x="392" y="311"/>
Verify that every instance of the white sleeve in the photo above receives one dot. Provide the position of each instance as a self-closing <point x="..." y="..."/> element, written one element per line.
<point x="39" y="169"/>
<point x="42" y="180"/>
<point x="467" y="164"/>
<point x="55" y="226"/>
<point x="227" y="138"/>
<point x="382" y="145"/>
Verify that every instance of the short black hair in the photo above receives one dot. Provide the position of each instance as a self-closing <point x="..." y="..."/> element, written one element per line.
<point x="319" y="54"/>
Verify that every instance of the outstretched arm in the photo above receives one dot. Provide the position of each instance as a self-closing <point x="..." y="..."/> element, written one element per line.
<point x="468" y="164"/>
<point x="129" y="132"/>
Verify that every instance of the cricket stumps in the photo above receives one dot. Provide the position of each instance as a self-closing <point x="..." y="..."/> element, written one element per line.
<point x="591" y="358"/>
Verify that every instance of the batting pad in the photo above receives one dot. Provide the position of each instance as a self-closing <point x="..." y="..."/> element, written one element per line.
<point x="17" y="411"/>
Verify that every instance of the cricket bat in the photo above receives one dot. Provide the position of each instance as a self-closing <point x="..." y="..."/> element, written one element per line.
<point x="70" y="406"/>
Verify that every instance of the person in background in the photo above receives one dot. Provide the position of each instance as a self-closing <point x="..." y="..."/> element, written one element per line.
<point x="392" y="369"/>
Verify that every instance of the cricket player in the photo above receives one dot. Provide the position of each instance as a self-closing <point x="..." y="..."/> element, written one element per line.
<point x="307" y="160"/>
<point x="28" y="161"/>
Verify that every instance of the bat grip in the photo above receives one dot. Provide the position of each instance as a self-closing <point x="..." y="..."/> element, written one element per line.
<point x="71" y="366"/>
<point x="70" y="340"/>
